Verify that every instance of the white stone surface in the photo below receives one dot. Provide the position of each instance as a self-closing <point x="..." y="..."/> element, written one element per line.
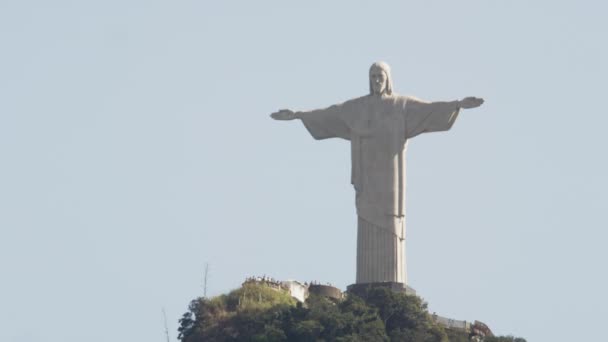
<point x="296" y="289"/>
<point x="452" y="323"/>
<point x="378" y="127"/>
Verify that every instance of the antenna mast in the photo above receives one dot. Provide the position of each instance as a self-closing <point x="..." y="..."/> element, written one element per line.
<point x="205" y="280"/>
<point x="166" y="328"/>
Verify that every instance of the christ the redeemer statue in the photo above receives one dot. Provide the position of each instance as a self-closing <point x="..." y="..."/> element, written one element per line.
<point x="378" y="127"/>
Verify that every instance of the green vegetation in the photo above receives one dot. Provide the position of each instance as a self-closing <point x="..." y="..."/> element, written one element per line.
<point x="259" y="313"/>
<point x="504" y="339"/>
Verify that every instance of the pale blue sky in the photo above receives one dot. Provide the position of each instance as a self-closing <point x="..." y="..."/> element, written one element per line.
<point x="135" y="146"/>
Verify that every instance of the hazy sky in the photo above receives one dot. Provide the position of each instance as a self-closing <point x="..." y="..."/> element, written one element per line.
<point x="135" y="146"/>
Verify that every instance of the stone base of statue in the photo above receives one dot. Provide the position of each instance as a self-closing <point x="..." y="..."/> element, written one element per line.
<point x="360" y="289"/>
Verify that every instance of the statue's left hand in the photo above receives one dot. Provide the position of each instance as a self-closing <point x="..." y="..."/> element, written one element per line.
<point x="470" y="102"/>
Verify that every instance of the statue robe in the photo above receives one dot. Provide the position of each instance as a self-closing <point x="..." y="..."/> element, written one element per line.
<point x="378" y="129"/>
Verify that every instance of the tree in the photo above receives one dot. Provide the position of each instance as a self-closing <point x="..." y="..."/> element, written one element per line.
<point x="504" y="339"/>
<point x="256" y="312"/>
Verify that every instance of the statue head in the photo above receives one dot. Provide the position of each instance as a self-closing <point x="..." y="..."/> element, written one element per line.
<point x="380" y="81"/>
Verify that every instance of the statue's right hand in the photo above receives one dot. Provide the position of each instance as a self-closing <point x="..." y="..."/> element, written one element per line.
<point x="283" y="114"/>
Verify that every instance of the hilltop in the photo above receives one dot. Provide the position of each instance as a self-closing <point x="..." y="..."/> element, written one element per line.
<point x="259" y="312"/>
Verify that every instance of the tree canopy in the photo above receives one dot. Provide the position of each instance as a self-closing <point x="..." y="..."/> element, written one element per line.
<point x="256" y="312"/>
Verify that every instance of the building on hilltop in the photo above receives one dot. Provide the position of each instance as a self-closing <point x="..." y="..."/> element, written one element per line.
<point x="301" y="291"/>
<point x="296" y="289"/>
<point x="476" y="330"/>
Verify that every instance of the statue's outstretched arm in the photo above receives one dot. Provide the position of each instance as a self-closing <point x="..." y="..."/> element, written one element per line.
<point x="423" y="117"/>
<point x="466" y="103"/>
<point x="288" y="114"/>
<point x="321" y="123"/>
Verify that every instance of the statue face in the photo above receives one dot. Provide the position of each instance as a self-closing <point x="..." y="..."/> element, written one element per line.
<point x="378" y="80"/>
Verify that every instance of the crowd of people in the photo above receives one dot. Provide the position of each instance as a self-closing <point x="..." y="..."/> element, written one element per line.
<point x="271" y="281"/>
<point x="263" y="279"/>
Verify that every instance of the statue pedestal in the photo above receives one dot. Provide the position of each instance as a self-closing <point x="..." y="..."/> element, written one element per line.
<point x="358" y="289"/>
